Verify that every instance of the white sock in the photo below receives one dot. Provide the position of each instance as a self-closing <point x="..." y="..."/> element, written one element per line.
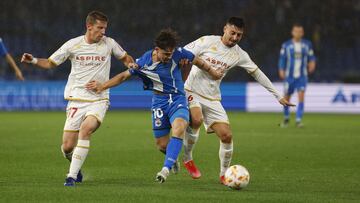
<point x="67" y="156"/>
<point x="190" y="139"/>
<point x="225" y="155"/>
<point x="78" y="157"/>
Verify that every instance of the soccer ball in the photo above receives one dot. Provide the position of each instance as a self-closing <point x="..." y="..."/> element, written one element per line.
<point x="237" y="177"/>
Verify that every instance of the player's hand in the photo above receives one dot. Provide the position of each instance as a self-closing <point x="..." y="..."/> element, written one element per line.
<point x="19" y="75"/>
<point x="311" y="67"/>
<point x="217" y="73"/>
<point x="133" y="65"/>
<point x="285" y="102"/>
<point x="26" y="58"/>
<point x="94" y="86"/>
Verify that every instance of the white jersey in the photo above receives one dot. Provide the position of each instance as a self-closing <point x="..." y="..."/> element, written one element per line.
<point x="88" y="62"/>
<point x="298" y="59"/>
<point x="212" y="50"/>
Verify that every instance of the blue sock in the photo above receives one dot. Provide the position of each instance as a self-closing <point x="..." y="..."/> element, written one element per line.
<point x="286" y="112"/>
<point x="172" y="151"/>
<point x="300" y="111"/>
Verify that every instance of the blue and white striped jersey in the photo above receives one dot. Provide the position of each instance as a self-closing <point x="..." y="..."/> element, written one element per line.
<point x="162" y="77"/>
<point x="294" y="58"/>
<point x="3" y="50"/>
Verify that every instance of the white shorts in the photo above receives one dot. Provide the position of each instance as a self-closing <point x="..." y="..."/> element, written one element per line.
<point x="77" y="111"/>
<point x="213" y="112"/>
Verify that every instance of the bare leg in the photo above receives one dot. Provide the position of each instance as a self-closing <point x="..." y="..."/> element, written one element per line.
<point x="69" y="143"/>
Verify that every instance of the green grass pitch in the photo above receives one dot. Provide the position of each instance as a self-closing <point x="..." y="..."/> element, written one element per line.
<point x="319" y="163"/>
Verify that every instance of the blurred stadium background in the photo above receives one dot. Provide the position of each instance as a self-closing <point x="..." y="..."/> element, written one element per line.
<point x="314" y="164"/>
<point x="42" y="27"/>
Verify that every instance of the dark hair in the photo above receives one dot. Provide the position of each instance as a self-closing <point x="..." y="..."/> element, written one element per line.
<point x="237" y="21"/>
<point x="96" y="15"/>
<point x="297" y="24"/>
<point x="167" y="38"/>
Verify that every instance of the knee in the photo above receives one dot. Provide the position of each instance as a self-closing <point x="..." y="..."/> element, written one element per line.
<point x="85" y="132"/>
<point x="67" y="147"/>
<point x="89" y="126"/>
<point x="179" y="130"/>
<point x="196" y="122"/>
<point x="226" y="137"/>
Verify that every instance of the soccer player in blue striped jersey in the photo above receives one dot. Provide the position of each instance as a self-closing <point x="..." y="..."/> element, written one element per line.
<point x="296" y="61"/>
<point x="160" y="72"/>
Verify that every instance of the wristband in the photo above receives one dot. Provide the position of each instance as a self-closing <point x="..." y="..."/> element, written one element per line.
<point x="34" y="60"/>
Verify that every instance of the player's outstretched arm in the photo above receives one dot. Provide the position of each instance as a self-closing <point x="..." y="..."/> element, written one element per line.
<point x="266" y="83"/>
<point x="13" y="65"/>
<point x="40" y="62"/>
<point x="127" y="60"/>
<point x="116" y="80"/>
<point x="215" y="73"/>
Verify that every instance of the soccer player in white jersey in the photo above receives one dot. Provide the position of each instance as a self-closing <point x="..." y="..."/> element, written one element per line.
<point x="90" y="57"/>
<point x="203" y="93"/>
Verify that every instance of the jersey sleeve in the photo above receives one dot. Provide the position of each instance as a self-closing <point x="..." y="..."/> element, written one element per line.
<point x="310" y="53"/>
<point x="246" y="62"/>
<point x="117" y="50"/>
<point x="282" y="57"/>
<point x="140" y="62"/>
<point x="3" y="50"/>
<point x="132" y="71"/>
<point x="196" y="46"/>
<point x="185" y="54"/>
<point x="63" y="53"/>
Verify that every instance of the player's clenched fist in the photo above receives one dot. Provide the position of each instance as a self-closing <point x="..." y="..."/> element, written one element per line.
<point x="133" y="65"/>
<point x="27" y="58"/>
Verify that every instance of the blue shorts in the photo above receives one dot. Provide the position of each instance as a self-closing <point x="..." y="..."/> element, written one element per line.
<point x="165" y="109"/>
<point x="298" y="84"/>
